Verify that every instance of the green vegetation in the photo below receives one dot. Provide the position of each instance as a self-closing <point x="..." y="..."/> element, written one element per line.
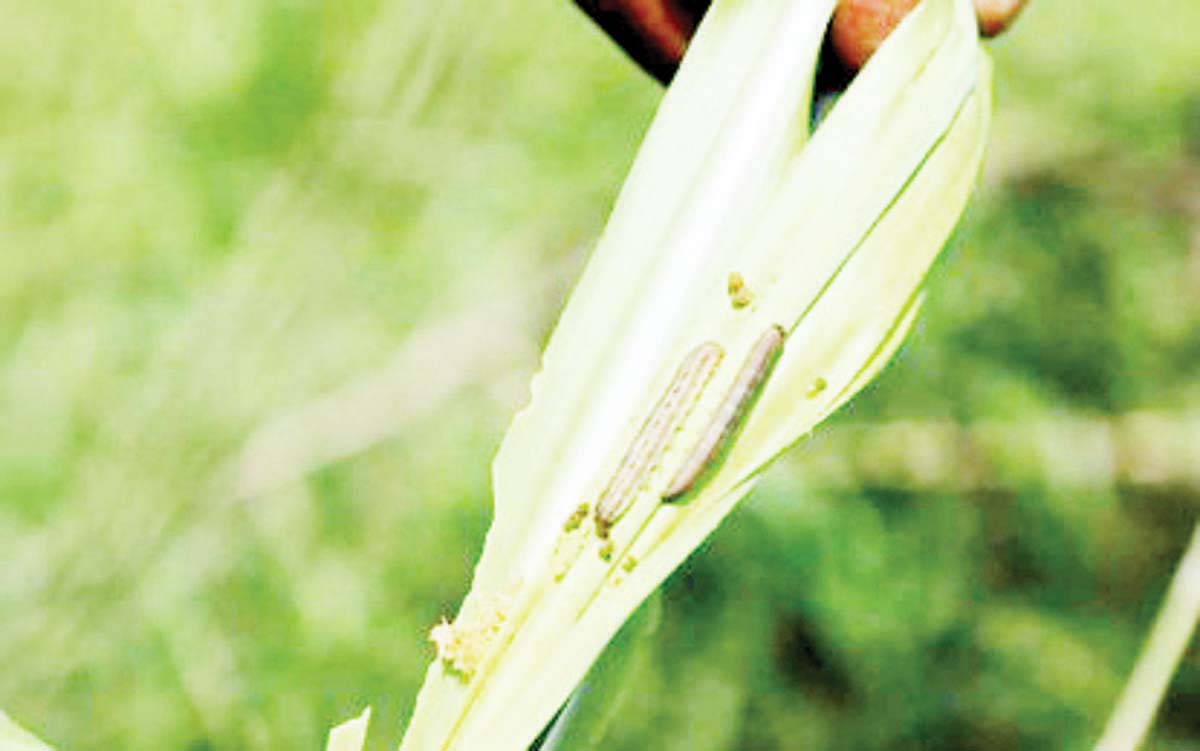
<point x="274" y="280"/>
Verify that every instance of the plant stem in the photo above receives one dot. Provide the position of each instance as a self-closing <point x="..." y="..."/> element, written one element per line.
<point x="1172" y="629"/>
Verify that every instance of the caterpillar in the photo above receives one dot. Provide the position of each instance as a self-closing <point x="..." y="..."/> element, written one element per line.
<point x="664" y="421"/>
<point x="730" y="414"/>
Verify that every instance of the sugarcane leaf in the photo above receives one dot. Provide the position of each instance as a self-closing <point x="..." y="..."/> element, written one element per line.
<point x="586" y="719"/>
<point x="13" y="737"/>
<point x="833" y="236"/>
<point x="351" y="734"/>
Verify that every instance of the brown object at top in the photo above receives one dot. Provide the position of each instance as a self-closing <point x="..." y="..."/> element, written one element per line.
<point x="860" y="26"/>
<point x="997" y="15"/>
<point x="655" y="33"/>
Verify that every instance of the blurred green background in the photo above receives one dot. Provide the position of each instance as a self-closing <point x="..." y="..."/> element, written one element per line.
<point x="274" y="277"/>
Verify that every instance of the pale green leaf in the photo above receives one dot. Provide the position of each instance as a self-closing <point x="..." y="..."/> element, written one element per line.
<point x="351" y="734"/>
<point x="726" y="130"/>
<point x="597" y="703"/>
<point x="15" y="738"/>
<point x="833" y="237"/>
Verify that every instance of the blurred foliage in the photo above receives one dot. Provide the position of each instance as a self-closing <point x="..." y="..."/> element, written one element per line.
<point x="215" y="212"/>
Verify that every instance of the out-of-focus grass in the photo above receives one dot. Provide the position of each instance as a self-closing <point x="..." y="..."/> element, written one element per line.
<point x="214" y="213"/>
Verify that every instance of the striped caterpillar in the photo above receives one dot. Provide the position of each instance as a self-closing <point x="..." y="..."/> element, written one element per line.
<point x="663" y="422"/>
<point x="730" y="414"/>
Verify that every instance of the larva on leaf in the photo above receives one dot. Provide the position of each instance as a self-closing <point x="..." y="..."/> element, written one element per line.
<point x="730" y="414"/>
<point x="664" y="421"/>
